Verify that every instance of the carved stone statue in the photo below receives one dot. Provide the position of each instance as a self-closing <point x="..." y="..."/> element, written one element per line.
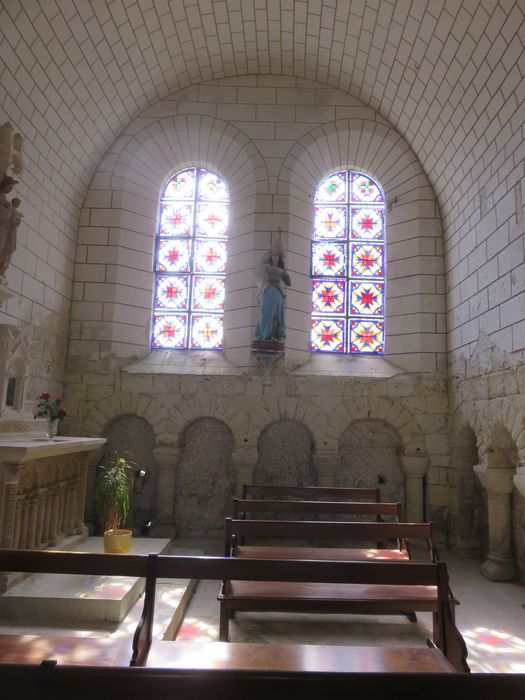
<point x="272" y="274"/>
<point x="10" y="216"/>
<point x="10" y="219"/>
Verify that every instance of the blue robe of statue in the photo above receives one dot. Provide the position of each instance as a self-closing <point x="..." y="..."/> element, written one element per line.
<point x="271" y="324"/>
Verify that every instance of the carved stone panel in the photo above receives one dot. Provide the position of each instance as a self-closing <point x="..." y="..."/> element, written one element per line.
<point x="285" y="455"/>
<point x="204" y="480"/>
<point x="370" y="457"/>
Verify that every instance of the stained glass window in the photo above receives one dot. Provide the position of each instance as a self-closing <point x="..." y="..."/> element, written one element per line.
<point x="348" y="265"/>
<point x="190" y="263"/>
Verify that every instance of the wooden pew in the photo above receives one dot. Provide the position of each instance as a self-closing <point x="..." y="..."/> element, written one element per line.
<point x="381" y="597"/>
<point x="237" y="531"/>
<point x="310" y="493"/>
<point x="153" y="566"/>
<point x="242" y="506"/>
<point x="55" y="682"/>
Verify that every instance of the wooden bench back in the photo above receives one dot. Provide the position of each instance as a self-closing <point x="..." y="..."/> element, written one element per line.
<point x="237" y="530"/>
<point x="310" y="493"/>
<point x="155" y="566"/>
<point x="51" y="681"/>
<point x="241" y="506"/>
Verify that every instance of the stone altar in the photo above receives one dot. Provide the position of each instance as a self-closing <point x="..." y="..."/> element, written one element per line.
<point x="42" y="491"/>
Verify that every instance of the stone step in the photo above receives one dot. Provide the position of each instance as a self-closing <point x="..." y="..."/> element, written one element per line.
<point x="47" y="599"/>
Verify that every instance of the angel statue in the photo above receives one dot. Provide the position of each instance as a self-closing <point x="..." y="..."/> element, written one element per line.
<point x="271" y="273"/>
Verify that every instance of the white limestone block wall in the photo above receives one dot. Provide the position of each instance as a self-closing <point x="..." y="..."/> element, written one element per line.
<point x="273" y="138"/>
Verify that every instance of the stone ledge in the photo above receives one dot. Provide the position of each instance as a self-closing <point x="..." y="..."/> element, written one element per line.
<point x="183" y="362"/>
<point x="372" y="367"/>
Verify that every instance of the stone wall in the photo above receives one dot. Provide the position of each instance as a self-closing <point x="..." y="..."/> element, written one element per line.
<point x="272" y="138"/>
<point x="487" y="395"/>
<point x="321" y="408"/>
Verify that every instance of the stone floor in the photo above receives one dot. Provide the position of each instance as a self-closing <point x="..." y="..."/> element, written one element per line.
<point x="491" y="617"/>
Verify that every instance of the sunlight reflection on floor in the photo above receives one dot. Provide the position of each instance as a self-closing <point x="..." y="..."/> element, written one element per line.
<point x="494" y="651"/>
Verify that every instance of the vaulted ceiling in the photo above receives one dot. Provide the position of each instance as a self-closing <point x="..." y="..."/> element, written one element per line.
<point x="447" y="73"/>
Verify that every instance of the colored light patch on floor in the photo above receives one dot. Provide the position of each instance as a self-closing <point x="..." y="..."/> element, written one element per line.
<point x="494" y="651"/>
<point x="197" y="630"/>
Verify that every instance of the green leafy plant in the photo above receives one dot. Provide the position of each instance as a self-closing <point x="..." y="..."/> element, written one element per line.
<point x="112" y="493"/>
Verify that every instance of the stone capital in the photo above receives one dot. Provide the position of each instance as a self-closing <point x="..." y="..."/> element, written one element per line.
<point x="495" y="481"/>
<point x="414" y="466"/>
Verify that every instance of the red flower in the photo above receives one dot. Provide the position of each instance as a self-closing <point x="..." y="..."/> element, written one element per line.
<point x="59" y="400"/>
<point x="62" y="413"/>
<point x="44" y="397"/>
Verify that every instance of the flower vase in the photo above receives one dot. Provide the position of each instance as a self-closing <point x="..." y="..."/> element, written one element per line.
<point x="51" y="428"/>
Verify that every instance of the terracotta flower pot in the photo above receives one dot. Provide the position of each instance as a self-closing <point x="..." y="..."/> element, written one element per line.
<point x="117" y="541"/>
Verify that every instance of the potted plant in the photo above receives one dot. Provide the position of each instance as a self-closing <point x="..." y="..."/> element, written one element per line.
<point x="112" y="502"/>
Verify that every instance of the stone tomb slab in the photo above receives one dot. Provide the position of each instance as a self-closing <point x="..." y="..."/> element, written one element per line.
<point x="53" y="598"/>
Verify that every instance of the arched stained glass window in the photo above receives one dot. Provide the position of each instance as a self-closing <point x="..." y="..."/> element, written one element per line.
<point x="190" y="262"/>
<point x="348" y="265"/>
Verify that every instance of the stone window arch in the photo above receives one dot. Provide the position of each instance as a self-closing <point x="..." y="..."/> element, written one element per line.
<point x="348" y="265"/>
<point x="190" y="262"/>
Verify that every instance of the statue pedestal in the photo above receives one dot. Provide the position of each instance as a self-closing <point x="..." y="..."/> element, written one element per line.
<point x="267" y="346"/>
<point x="266" y="359"/>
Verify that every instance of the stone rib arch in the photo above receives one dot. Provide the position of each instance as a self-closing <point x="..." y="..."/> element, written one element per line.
<point x="170" y="144"/>
<point x="100" y="415"/>
<point x="504" y="411"/>
<point x="370" y="145"/>
<point x="132" y="176"/>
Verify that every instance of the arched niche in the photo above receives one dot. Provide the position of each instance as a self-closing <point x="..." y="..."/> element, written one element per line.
<point x="370" y="452"/>
<point x="15" y="358"/>
<point x="132" y="437"/>
<point x="469" y="522"/>
<point x="285" y="455"/>
<point x="205" y="479"/>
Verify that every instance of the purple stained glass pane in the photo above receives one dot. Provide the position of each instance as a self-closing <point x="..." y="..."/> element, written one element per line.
<point x="173" y="255"/>
<point x="172" y="293"/>
<point x="181" y="186"/>
<point x="328" y="296"/>
<point x="169" y="331"/>
<point x="366" y="298"/>
<point x="327" y="335"/>
<point x="210" y="256"/>
<point x="206" y="332"/>
<point x="212" y="187"/>
<point x="208" y="293"/>
<point x="366" y="336"/>
<point x="332" y="189"/>
<point x="212" y="220"/>
<point x="364" y="189"/>
<point x="367" y="223"/>
<point x="328" y="259"/>
<point x="367" y="260"/>
<point x="330" y="222"/>
<point x="176" y="219"/>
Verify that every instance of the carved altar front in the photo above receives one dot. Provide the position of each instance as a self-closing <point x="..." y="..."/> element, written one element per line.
<point x="42" y="490"/>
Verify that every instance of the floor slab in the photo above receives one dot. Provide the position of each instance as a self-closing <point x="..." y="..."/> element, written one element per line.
<point x="78" y="598"/>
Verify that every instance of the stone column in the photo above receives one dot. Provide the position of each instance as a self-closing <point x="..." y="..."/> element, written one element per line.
<point x="498" y="483"/>
<point x="244" y="460"/>
<point x="414" y="468"/>
<point x="167" y="458"/>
